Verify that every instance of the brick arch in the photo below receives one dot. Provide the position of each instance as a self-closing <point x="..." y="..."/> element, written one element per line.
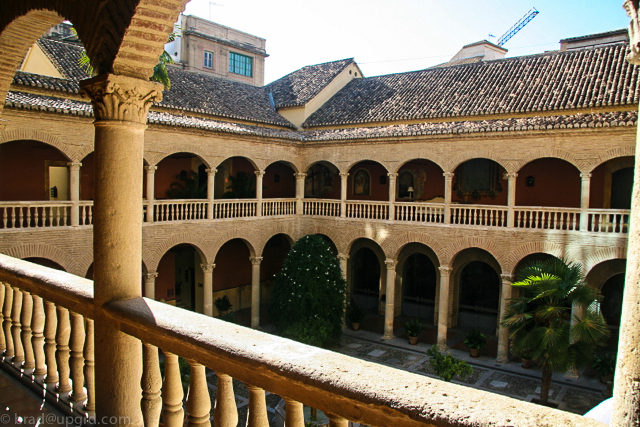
<point x="248" y="237"/>
<point x="308" y="163"/>
<point x="488" y="245"/>
<point x="350" y="238"/>
<point x="333" y="234"/>
<point x="152" y="258"/>
<point x="244" y="153"/>
<point x="380" y="162"/>
<point x="288" y="231"/>
<point x="153" y="158"/>
<point x="451" y="164"/>
<point x="522" y="251"/>
<point x="410" y="157"/>
<point x="290" y="161"/>
<point x="18" y="32"/>
<point x="70" y="152"/>
<point x="604" y="254"/>
<point x="549" y="153"/>
<point x="601" y="272"/>
<point x="395" y="246"/>
<point x="609" y="155"/>
<point x="52" y="253"/>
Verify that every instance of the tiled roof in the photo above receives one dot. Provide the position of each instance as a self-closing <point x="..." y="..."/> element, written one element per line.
<point x="216" y="96"/>
<point x="45" y="82"/>
<point x="65" y="57"/>
<point x="621" y="31"/>
<point x="550" y="81"/>
<point x="471" y="60"/>
<point x="302" y="85"/>
<point x="50" y="104"/>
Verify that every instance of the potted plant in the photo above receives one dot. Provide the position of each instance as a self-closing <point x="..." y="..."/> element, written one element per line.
<point x="356" y="315"/>
<point x="223" y="305"/>
<point x="476" y="341"/>
<point x="413" y="329"/>
<point x="526" y="360"/>
<point x="605" y="365"/>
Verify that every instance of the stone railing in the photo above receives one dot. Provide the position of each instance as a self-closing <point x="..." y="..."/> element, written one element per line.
<point x="179" y="210"/>
<point x="48" y="340"/>
<point x="236" y="208"/>
<point x="609" y="221"/>
<point x="547" y="218"/>
<point x="278" y="207"/>
<point x="86" y="212"/>
<point x="321" y="207"/>
<point x="34" y="214"/>
<point x="367" y="210"/>
<point x="420" y="212"/>
<point x="484" y="215"/>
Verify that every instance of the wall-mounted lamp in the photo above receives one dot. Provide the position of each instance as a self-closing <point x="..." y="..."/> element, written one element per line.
<point x="530" y="181"/>
<point x="383" y="179"/>
<point x="410" y="191"/>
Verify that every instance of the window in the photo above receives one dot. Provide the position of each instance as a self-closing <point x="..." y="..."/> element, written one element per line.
<point x="208" y="59"/>
<point x="240" y="64"/>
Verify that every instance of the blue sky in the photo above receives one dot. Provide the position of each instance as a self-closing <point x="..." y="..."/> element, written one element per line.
<point x="402" y="35"/>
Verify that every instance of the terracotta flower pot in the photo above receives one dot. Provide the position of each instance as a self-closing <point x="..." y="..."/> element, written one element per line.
<point x="413" y="340"/>
<point x="526" y="363"/>
<point x="355" y="326"/>
<point x="475" y="352"/>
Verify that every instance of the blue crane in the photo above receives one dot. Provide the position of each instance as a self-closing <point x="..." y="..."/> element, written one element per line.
<point x="518" y="26"/>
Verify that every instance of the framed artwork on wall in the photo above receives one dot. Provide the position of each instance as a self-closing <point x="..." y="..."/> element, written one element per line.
<point x="362" y="183"/>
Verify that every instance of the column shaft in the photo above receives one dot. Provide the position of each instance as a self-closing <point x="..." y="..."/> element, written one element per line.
<point x="255" y="292"/>
<point x="259" y="176"/>
<point x="511" y="198"/>
<point x="207" y="269"/>
<point x="150" y="190"/>
<point x="211" y="185"/>
<point x="74" y="192"/>
<point x="443" y="307"/>
<point x="389" y="307"/>
<point x="392" y="195"/>
<point x="503" y="333"/>
<point x="448" y="178"/>
<point x="300" y="180"/>
<point x="343" y="194"/>
<point x="584" y="201"/>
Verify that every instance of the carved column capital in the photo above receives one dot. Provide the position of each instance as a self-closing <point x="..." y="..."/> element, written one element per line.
<point x="256" y="260"/>
<point x="445" y="271"/>
<point x="74" y="166"/>
<point x="151" y="168"/>
<point x="300" y="175"/>
<point x="123" y="98"/>
<point x="151" y="275"/>
<point x="507" y="277"/>
<point x="211" y="170"/>
<point x="391" y="264"/>
<point x="448" y="175"/>
<point x="207" y="268"/>
<point x="510" y="176"/>
<point x="392" y="175"/>
<point x="585" y="176"/>
<point x="344" y="175"/>
<point x="261" y="173"/>
<point x="343" y="257"/>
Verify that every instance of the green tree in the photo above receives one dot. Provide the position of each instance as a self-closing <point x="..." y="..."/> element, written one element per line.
<point x="309" y="294"/>
<point x="446" y="366"/>
<point x="541" y="324"/>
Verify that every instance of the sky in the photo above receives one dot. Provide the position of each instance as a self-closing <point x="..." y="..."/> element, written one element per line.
<point x="395" y="36"/>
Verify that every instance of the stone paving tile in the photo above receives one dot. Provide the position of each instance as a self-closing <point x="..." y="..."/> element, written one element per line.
<point x="517" y="386"/>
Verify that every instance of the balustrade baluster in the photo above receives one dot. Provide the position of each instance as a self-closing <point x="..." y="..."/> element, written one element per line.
<point x="63" y="333"/>
<point x="257" y="413"/>
<point x="151" y="384"/>
<point x="28" y="221"/>
<point x="89" y="366"/>
<point x="172" y="412"/>
<point x="65" y="215"/>
<point x="50" y="326"/>
<point x="198" y="399"/>
<point x="6" y="323"/>
<point x="21" y="216"/>
<point x="76" y="360"/>
<point x="37" y="337"/>
<point x="294" y="413"/>
<point x="3" y="338"/>
<point x="58" y="210"/>
<point x="337" y="421"/>
<point x="25" y="321"/>
<point x="14" y="218"/>
<point x="225" y="413"/>
<point x="90" y="215"/>
<point x="18" y="350"/>
<point x="4" y="217"/>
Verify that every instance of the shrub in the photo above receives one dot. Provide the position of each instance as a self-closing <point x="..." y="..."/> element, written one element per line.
<point x="475" y="339"/>
<point x="446" y="366"/>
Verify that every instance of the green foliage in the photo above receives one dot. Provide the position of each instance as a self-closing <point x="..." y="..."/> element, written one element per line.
<point x="355" y="313"/>
<point x="187" y="187"/>
<point x="446" y="366"/>
<point x="540" y="323"/>
<point x="413" y="327"/>
<point x="242" y="186"/>
<point x="605" y="363"/>
<point x="223" y="303"/>
<point x="475" y="339"/>
<point x="308" y="294"/>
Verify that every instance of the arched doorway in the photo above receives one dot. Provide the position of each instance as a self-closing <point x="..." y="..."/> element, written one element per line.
<point x="180" y="278"/>
<point x="479" y="297"/>
<point x="365" y="279"/>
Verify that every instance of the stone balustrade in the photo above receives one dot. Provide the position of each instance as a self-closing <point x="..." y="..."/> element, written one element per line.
<point x="48" y="340"/>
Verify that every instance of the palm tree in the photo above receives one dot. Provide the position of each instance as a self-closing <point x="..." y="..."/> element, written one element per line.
<point x="540" y="322"/>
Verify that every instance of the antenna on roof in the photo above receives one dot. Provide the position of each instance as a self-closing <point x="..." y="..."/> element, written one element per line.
<point x="517" y="26"/>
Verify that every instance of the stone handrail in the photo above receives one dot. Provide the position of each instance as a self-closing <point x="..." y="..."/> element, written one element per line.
<point x="234" y="208"/>
<point x="364" y="209"/>
<point x="179" y="210"/>
<point x="52" y="346"/>
<point x="483" y="215"/>
<point x="278" y="207"/>
<point x="419" y="212"/>
<point x="547" y="218"/>
<point x="34" y="214"/>
<point x="86" y="212"/>
<point x="609" y="220"/>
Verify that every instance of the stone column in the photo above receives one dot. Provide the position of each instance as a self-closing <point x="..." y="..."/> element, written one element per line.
<point x="584" y="201"/>
<point x="150" y="284"/>
<point x="443" y="307"/>
<point x="120" y="106"/>
<point x="74" y="192"/>
<point x="151" y="191"/>
<point x="259" y="176"/>
<point x="343" y="194"/>
<point x="448" y="179"/>
<point x="392" y="195"/>
<point x="511" y="197"/>
<point x="211" y="185"/>
<point x="389" y="306"/>
<point x="503" y="333"/>
<point x="207" y="304"/>
<point x="255" y="291"/>
<point x="300" y="179"/>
